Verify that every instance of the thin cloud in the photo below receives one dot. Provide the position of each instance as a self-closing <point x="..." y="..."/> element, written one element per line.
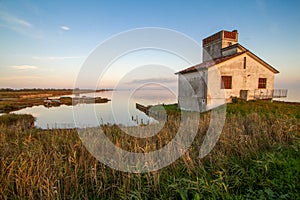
<point x="22" y="22"/>
<point x="65" y="28"/>
<point x="24" y="67"/>
<point x="56" y="57"/>
<point x="19" y="25"/>
<point x="13" y="20"/>
<point x="18" y="78"/>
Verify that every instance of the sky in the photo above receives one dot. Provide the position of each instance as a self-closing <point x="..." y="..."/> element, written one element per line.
<point x="43" y="44"/>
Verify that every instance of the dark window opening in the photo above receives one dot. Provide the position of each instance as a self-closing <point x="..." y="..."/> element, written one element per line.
<point x="262" y="83"/>
<point x="245" y="59"/>
<point x="226" y="82"/>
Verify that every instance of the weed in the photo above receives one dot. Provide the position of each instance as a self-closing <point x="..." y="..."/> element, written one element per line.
<point x="256" y="157"/>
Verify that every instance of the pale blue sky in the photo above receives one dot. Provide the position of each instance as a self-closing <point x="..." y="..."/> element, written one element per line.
<point x="44" y="43"/>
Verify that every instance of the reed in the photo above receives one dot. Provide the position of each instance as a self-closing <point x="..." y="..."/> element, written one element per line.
<point x="257" y="156"/>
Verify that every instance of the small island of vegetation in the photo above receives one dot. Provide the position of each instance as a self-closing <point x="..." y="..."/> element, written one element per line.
<point x="12" y="100"/>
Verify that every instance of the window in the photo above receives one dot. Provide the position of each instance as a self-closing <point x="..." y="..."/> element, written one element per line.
<point x="262" y="83"/>
<point x="226" y="82"/>
<point x="245" y="60"/>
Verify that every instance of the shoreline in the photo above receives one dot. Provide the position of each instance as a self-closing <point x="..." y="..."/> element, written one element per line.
<point x="242" y="107"/>
<point x="14" y="100"/>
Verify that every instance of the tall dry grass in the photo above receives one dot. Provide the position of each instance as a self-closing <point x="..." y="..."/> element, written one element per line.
<point x="54" y="164"/>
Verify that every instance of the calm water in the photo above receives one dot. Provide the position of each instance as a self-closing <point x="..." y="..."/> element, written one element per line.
<point x="120" y="110"/>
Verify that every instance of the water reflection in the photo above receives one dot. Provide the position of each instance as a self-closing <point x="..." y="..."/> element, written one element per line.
<point x="120" y="110"/>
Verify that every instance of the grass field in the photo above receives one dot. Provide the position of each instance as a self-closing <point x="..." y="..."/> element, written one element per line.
<point x="256" y="157"/>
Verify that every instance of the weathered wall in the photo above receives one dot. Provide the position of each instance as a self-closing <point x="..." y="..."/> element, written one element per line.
<point x="192" y="91"/>
<point x="195" y="95"/>
<point x="232" y="50"/>
<point x="244" y="79"/>
<point x="212" y="51"/>
<point x="213" y="44"/>
<point x="215" y="95"/>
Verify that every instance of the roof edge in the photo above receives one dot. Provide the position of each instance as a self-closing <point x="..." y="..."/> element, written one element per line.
<point x="219" y="60"/>
<point x="263" y="62"/>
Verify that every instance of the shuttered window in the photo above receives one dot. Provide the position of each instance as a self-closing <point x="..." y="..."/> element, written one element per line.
<point x="262" y="83"/>
<point x="226" y="82"/>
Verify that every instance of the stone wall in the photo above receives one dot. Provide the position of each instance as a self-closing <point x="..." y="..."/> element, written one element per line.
<point x="192" y="91"/>
<point x="213" y="44"/>
<point x="243" y="78"/>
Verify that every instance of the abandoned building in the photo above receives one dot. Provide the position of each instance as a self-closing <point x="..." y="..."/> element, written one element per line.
<point x="228" y="70"/>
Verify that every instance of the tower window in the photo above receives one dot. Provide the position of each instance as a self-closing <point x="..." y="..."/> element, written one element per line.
<point x="262" y="83"/>
<point x="245" y="60"/>
<point x="226" y="82"/>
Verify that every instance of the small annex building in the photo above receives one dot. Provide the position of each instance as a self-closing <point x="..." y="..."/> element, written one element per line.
<point x="228" y="70"/>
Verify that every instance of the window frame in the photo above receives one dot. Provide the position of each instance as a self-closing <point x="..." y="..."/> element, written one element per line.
<point x="262" y="83"/>
<point x="226" y="82"/>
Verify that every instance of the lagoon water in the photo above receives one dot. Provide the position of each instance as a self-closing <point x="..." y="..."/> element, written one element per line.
<point x="120" y="110"/>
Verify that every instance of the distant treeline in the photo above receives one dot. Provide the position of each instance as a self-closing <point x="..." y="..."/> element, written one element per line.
<point x="31" y="89"/>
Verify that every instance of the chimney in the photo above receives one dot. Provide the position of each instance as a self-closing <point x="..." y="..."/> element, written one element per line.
<point x="213" y="44"/>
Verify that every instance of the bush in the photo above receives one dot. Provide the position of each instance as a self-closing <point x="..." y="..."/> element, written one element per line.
<point x="9" y="107"/>
<point x="25" y="120"/>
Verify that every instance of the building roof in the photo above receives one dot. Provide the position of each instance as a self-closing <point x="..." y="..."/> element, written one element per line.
<point x="237" y="45"/>
<point x="216" y="61"/>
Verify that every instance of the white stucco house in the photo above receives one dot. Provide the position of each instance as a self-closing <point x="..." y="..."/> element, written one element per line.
<point x="228" y="70"/>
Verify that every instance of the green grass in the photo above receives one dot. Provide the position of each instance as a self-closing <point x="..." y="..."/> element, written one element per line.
<point x="272" y="174"/>
<point x="171" y="108"/>
<point x="264" y="108"/>
<point x="256" y="157"/>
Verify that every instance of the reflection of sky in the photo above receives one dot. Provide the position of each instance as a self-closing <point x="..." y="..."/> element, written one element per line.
<point x="120" y="110"/>
<point x="60" y="117"/>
